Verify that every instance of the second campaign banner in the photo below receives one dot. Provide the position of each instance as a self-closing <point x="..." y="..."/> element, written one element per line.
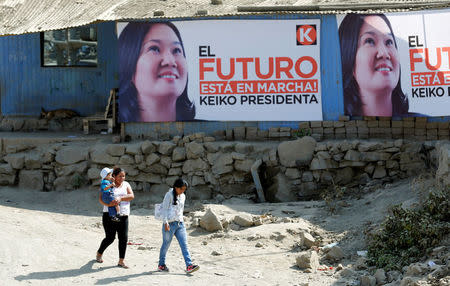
<point x="396" y="64"/>
<point x="230" y="70"/>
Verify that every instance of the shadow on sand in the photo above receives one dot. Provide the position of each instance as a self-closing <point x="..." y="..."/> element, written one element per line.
<point x="125" y="278"/>
<point x="44" y="275"/>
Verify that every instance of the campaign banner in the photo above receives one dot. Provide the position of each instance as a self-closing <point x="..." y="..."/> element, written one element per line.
<point x="224" y="70"/>
<point x="396" y="64"/>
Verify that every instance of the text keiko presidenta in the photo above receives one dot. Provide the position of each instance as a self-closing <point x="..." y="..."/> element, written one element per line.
<point x="430" y="82"/>
<point x="281" y="80"/>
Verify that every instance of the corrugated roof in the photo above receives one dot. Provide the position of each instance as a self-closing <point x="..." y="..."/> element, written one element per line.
<point x="29" y="16"/>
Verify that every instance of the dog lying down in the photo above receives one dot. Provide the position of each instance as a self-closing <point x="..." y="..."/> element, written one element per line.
<point x="58" y="113"/>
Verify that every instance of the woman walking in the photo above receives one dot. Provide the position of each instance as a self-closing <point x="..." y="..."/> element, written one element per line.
<point x="123" y="195"/>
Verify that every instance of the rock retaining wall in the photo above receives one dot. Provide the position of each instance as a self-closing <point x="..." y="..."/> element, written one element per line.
<point x="29" y="124"/>
<point x="292" y="169"/>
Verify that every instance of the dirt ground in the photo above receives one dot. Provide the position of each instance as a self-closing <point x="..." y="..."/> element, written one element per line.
<point x="50" y="238"/>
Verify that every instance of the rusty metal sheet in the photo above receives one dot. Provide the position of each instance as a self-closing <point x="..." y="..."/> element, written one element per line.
<point x="31" y="16"/>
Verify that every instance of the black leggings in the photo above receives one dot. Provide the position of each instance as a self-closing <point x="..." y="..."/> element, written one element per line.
<point x="111" y="228"/>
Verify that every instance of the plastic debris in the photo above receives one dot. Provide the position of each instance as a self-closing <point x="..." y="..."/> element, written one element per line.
<point x="133" y="243"/>
<point x="325" y="268"/>
<point x="329" y="245"/>
<point x="362" y="253"/>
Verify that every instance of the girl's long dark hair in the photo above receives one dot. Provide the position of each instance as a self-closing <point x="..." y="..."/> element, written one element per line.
<point x="348" y="37"/>
<point x="130" y="42"/>
<point x="179" y="183"/>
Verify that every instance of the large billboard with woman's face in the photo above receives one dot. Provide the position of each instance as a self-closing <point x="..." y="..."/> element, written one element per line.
<point x="230" y="70"/>
<point x="396" y="64"/>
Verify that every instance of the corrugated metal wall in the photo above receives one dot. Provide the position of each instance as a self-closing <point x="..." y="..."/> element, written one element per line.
<point x="25" y="86"/>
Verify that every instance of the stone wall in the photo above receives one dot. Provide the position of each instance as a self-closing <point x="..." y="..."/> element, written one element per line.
<point x="30" y="124"/>
<point x="292" y="170"/>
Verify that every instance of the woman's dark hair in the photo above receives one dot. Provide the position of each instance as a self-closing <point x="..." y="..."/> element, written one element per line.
<point x="116" y="171"/>
<point x="179" y="183"/>
<point x="348" y="37"/>
<point x="130" y="42"/>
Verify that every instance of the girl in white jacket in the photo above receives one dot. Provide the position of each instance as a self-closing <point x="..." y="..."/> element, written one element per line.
<point x="173" y="224"/>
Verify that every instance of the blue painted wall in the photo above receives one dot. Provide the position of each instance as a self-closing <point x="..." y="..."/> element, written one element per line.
<point x="25" y="86"/>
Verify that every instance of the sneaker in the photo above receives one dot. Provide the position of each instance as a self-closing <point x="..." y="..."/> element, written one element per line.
<point x="192" y="268"/>
<point x="163" y="268"/>
<point x="115" y="219"/>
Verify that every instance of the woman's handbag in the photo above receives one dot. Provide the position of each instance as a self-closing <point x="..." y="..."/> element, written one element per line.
<point x="159" y="211"/>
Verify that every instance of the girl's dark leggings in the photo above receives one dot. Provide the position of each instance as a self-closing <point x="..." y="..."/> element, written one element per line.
<point x="111" y="228"/>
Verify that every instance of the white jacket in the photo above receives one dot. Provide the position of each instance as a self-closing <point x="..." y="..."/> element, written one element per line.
<point x="171" y="212"/>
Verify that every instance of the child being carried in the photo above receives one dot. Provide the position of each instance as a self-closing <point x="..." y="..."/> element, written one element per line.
<point x="107" y="189"/>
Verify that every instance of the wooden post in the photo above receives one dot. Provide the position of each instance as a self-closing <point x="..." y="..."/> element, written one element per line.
<point x="114" y="94"/>
<point x="259" y="189"/>
<point x="122" y="132"/>
<point x="110" y="125"/>
<point x="86" y="126"/>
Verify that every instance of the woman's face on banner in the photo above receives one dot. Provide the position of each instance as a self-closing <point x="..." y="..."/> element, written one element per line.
<point x="161" y="68"/>
<point x="377" y="67"/>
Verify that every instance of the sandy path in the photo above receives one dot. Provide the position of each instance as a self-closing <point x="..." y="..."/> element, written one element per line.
<point x="51" y="239"/>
